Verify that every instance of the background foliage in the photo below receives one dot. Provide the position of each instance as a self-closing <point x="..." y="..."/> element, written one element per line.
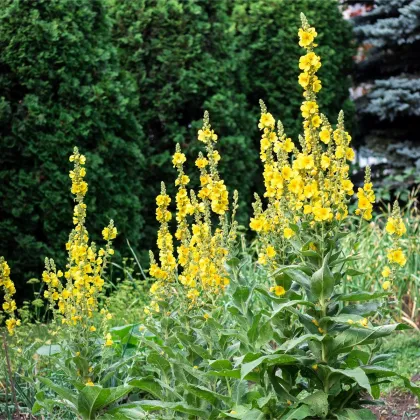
<point x="125" y="81"/>
<point x="388" y="103"/>
<point x="61" y="85"/>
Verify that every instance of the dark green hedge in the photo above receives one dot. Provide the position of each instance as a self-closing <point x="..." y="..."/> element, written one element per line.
<point x="61" y="85"/>
<point x="125" y="80"/>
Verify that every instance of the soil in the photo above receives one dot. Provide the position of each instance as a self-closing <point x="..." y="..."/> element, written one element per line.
<point x="398" y="405"/>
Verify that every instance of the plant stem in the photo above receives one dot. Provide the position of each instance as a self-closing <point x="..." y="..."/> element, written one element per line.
<point x="9" y="370"/>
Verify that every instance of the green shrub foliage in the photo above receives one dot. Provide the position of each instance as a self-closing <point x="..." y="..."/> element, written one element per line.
<point x="61" y="85"/>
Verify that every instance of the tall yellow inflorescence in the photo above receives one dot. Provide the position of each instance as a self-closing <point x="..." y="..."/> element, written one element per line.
<point x="202" y="250"/>
<point x="9" y="304"/>
<point x="308" y="182"/>
<point x="73" y="294"/>
<point x="395" y="227"/>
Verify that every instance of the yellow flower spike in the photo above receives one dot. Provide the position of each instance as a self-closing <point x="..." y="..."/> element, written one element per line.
<point x="73" y="295"/>
<point x="199" y="264"/>
<point x="9" y="305"/>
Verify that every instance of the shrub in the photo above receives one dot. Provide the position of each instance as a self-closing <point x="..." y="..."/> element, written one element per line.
<point x="61" y="85"/>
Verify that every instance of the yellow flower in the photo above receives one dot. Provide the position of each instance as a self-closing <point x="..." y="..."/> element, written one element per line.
<point x="306" y="37"/>
<point x="324" y="135"/>
<point x="308" y="108"/>
<point x="109" y="233"/>
<point x="270" y="251"/>
<point x="397" y="256"/>
<point x="108" y="340"/>
<point x="89" y="383"/>
<point x="288" y="233"/>
<point x="309" y="60"/>
<point x="325" y="162"/>
<point x="178" y="158"/>
<point x="304" y="79"/>
<point x="363" y="322"/>
<point x="395" y="225"/>
<point x="349" y="154"/>
<point x="386" y="285"/>
<point x="266" y="120"/>
<point x="279" y="290"/>
<point x="386" y="271"/>
<point x="288" y="145"/>
<point x="201" y="162"/>
<point x="316" y="86"/>
<point x="316" y="121"/>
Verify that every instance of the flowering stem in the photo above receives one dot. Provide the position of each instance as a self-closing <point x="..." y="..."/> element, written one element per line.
<point x="9" y="371"/>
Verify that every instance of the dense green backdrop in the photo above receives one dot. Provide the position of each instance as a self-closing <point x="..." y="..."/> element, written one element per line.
<point x="125" y="81"/>
<point x="61" y="85"/>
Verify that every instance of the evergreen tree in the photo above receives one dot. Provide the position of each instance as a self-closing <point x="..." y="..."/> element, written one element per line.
<point x="182" y="54"/>
<point x="388" y="85"/>
<point x="61" y="86"/>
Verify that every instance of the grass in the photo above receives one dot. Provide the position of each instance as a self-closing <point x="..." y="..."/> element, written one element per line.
<point x="405" y="347"/>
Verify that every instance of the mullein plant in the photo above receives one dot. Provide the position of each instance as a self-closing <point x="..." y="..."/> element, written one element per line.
<point x="302" y="348"/>
<point x="308" y="192"/>
<point x="84" y="358"/>
<point x="75" y="294"/>
<point x="197" y="270"/>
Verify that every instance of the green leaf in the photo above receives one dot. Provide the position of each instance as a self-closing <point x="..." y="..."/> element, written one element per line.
<point x="63" y="392"/>
<point x="131" y="411"/>
<point x="291" y="344"/>
<point x="94" y="398"/>
<point x="253" y="331"/>
<point x="233" y="262"/>
<point x="202" y="352"/>
<point x="382" y="372"/>
<point x="279" y="308"/>
<point x="233" y="373"/>
<point x="159" y="361"/>
<point x="272" y="359"/>
<point x="322" y="281"/>
<point x="352" y="414"/>
<point x="318" y="403"/>
<point x="357" y="374"/>
<point x="299" y="413"/>
<point x="244" y="413"/>
<point x="364" y="309"/>
<point x="361" y="296"/>
<point x="182" y="407"/>
<point x="265" y="334"/>
<point x="220" y="364"/>
<point x="150" y="385"/>
<point x="48" y="350"/>
<point x="122" y="331"/>
<point x="240" y="296"/>
<point x="299" y="277"/>
<point x="361" y="336"/>
<point x="207" y="394"/>
<point x="352" y="272"/>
